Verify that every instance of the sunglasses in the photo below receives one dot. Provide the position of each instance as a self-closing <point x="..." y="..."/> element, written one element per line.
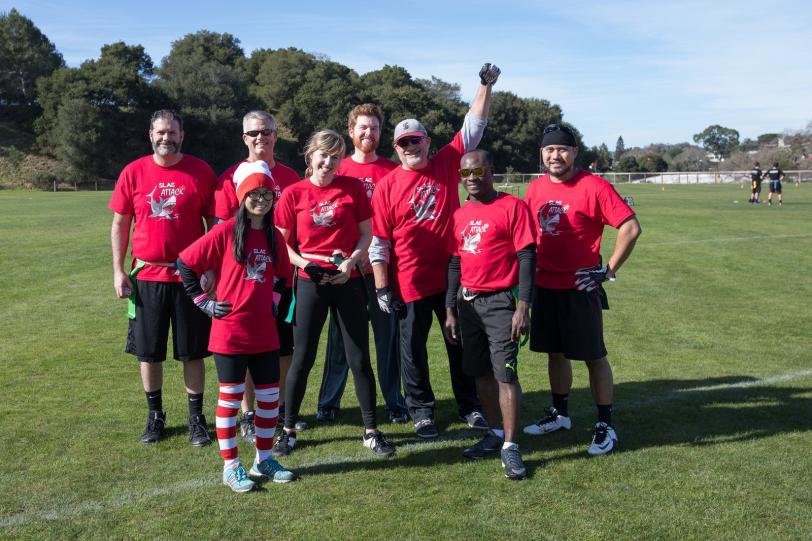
<point x="253" y="133"/>
<point x="267" y="195"/>
<point x="475" y="171"/>
<point x="413" y="140"/>
<point x="557" y="127"/>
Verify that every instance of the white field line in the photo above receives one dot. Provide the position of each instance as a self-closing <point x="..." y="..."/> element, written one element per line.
<point x="723" y="239"/>
<point x="118" y="502"/>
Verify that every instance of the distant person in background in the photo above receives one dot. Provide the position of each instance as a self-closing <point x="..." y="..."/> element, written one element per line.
<point x="364" y="124"/>
<point x="776" y="176"/>
<point x="570" y="209"/>
<point x="259" y="136"/>
<point x="167" y="194"/>
<point x="755" y="184"/>
<point x="251" y="263"/>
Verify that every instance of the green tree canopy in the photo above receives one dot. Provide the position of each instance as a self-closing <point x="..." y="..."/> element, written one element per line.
<point x="719" y="140"/>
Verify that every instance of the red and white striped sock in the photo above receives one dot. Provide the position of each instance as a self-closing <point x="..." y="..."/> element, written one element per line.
<point x="266" y="417"/>
<point x="226" y="419"/>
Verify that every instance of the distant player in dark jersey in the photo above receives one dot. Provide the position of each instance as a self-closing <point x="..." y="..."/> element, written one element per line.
<point x="776" y="175"/>
<point x="755" y="184"/>
<point x="493" y="251"/>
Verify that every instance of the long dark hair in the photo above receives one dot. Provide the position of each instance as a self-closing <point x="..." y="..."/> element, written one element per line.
<point x="242" y="224"/>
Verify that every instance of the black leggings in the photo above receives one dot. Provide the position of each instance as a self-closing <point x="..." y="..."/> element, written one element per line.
<point x="312" y="303"/>
<point x="264" y="367"/>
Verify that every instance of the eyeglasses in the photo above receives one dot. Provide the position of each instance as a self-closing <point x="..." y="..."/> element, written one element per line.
<point x="267" y="195"/>
<point x="413" y="140"/>
<point x="253" y="133"/>
<point x="476" y="171"/>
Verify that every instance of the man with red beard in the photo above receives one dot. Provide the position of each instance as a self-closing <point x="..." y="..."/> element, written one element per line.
<point x="570" y="208"/>
<point x="259" y="136"/>
<point x="364" y="126"/>
<point x="411" y="227"/>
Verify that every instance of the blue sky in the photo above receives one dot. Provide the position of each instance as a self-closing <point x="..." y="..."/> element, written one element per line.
<point x="649" y="71"/>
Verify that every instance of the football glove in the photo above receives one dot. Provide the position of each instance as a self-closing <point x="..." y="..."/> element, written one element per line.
<point x="315" y="272"/>
<point x="489" y="73"/>
<point x="211" y="307"/>
<point x="387" y="301"/>
<point x="589" y="278"/>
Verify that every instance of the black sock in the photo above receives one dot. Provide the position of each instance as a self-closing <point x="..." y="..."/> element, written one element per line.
<point x="561" y="403"/>
<point x="195" y="404"/>
<point x="154" y="400"/>
<point x="605" y="414"/>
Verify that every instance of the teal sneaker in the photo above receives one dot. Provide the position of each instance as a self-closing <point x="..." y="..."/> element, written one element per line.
<point x="237" y="480"/>
<point x="273" y="470"/>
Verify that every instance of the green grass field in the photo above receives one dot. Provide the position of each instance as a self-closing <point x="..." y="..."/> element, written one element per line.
<point x="708" y="335"/>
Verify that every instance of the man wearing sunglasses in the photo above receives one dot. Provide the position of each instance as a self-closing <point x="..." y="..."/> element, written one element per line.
<point x="167" y="194"/>
<point x="365" y="122"/>
<point x="493" y="251"/>
<point x="413" y="206"/>
<point x="570" y="208"/>
<point x="259" y="136"/>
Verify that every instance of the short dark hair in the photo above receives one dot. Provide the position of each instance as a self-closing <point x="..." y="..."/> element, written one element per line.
<point x="487" y="156"/>
<point x="166" y="114"/>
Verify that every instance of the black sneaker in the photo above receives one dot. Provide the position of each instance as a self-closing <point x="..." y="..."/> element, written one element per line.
<point x="426" y="429"/>
<point x="247" y="427"/>
<point x="284" y="444"/>
<point x="487" y="446"/>
<point x="154" y="431"/>
<point x="326" y="415"/>
<point x="475" y="420"/>
<point x="377" y="442"/>
<point x="398" y="416"/>
<point x="512" y="462"/>
<point x="198" y="431"/>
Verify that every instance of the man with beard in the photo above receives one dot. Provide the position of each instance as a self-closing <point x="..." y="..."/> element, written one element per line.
<point x="570" y="208"/>
<point x="259" y="136"/>
<point x="411" y="227"/>
<point x="493" y="251"/>
<point x="167" y="194"/>
<point x="364" y="126"/>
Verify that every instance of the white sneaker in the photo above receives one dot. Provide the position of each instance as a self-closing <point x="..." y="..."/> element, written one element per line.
<point x="549" y="423"/>
<point x="604" y="440"/>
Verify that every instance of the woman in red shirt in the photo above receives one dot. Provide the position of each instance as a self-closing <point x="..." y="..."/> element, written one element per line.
<point x="251" y="266"/>
<point x="326" y="222"/>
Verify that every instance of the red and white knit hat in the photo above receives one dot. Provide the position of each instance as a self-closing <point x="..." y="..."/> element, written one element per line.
<point x="250" y="176"/>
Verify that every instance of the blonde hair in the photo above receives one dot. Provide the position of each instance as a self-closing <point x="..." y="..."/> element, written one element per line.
<point x="328" y="141"/>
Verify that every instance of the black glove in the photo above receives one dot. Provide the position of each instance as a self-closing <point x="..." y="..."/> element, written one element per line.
<point x="315" y="272"/>
<point x="213" y="308"/>
<point x="592" y="277"/>
<point x="489" y="73"/>
<point x="387" y="301"/>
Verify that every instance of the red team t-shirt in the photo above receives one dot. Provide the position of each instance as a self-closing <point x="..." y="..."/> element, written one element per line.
<point x="251" y="326"/>
<point x="487" y="237"/>
<point x="569" y="218"/>
<point x="368" y="173"/>
<point x="224" y="204"/>
<point x="322" y="220"/>
<point x="413" y="211"/>
<point x="168" y="204"/>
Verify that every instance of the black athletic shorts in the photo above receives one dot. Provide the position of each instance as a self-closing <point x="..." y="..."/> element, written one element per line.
<point x="567" y="321"/>
<point x="485" y="324"/>
<point x="264" y="367"/>
<point x="283" y="329"/>
<point x="157" y="304"/>
<point x="775" y="186"/>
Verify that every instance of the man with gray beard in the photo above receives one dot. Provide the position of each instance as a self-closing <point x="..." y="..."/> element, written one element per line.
<point x="167" y="194"/>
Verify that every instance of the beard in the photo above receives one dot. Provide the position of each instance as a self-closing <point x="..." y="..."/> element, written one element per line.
<point x="366" y="145"/>
<point x="165" y="149"/>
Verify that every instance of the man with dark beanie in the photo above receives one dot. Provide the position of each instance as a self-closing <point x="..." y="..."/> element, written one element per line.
<point x="570" y="208"/>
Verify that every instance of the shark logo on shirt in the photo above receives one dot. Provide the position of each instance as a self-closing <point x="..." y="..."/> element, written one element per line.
<point x="164" y="206"/>
<point x="550" y="217"/>
<point x="256" y="265"/>
<point x="472" y="236"/>
<point x="369" y="186"/>
<point x="424" y="201"/>
<point x="323" y="214"/>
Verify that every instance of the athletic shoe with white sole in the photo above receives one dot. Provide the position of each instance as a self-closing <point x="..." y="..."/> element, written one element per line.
<point x="284" y="444"/>
<point x="237" y="480"/>
<point x="552" y="422"/>
<point x="475" y="420"/>
<point x="378" y="443"/>
<point x="247" y="427"/>
<point x="512" y="462"/>
<point x="604" y="440"/>
<point x="487" y="446"/>
<point x="426" y="429"/>
<point x="273" y="470"/>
